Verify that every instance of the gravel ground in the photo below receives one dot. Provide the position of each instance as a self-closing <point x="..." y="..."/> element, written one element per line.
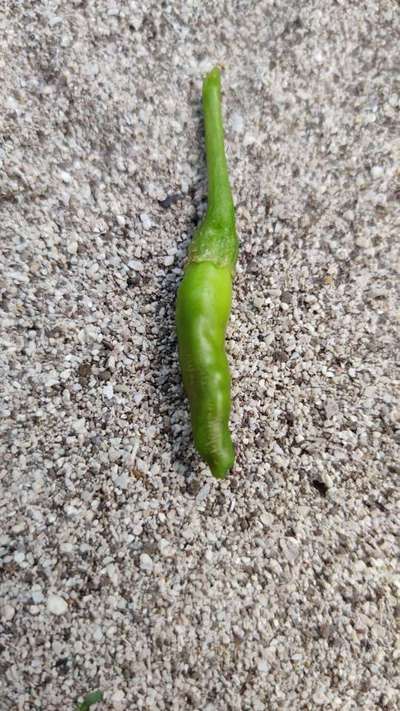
<point x="125" y="566"/>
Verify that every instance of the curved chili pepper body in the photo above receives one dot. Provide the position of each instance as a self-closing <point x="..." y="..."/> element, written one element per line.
<point x="204" y="300"/>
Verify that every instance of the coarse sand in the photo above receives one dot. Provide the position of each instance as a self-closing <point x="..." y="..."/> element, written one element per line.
<point x="125" y="567"/>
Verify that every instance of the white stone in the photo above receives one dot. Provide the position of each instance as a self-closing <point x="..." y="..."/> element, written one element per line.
<point x="290" y="549"/>
<point x="108" y="391"/>
<point x="262" y="666"/>
<point x="146" y="563"/>
<point x="56" y="604"/>
<point x="79" y="426"/>
<point x="122" y="481"/>
<point x="72" y="246"/>
<point x="204" y="492"/>
<point x="135" y="265"/>
<point x="37" y="596"/>
<point x="118" y="697"/>
<point x="319" y="697"/>
<point x="110" y="631"/>
<point x="377" y="171"/>
<point x="65" y="177"/>
<point x="188" y="533"/>
<point x="19" y="527"/>
<point x="326" y="479"/>
<point x="67" y="547"/>
<point x="98" y="633"/>
<point x="8" y="613"/>
<point x="237" y="122"/>
<point x="146" y="221"/>
<point x="168" y="552"/>
<point x="267" y="519"/>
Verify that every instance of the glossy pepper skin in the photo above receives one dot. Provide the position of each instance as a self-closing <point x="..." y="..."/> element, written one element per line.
<point x="204" y="300"/>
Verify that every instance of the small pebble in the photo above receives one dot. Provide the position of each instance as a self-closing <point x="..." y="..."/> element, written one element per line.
<point x="37" y="596"/>
<point x="146" y="221"/>
<point x="237" y="122"/>
<point x="146" y="563"/>
<point x="7" y="613"/>
<point x="377" y="172"/>
<point x="56" y="605"/>
<point x="108" y="391"/>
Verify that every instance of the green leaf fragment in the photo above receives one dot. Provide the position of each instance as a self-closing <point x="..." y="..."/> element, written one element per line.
<point x="93" y="698"/>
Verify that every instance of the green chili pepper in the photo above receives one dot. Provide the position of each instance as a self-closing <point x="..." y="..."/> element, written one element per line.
<point x="204" y="299"/>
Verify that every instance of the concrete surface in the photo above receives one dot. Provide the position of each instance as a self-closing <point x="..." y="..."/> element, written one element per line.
<point x="125" y="567"/>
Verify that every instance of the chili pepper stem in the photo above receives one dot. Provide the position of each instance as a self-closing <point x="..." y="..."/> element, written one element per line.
<point x="220" y="202"/>
<point x="215" y="239"/>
